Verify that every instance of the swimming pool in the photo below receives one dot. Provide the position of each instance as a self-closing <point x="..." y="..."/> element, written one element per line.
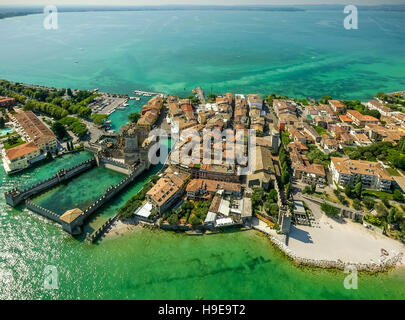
<point x="5" y="131"/>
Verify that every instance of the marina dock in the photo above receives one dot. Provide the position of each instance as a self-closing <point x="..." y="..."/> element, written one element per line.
<point x="147" y="93"/>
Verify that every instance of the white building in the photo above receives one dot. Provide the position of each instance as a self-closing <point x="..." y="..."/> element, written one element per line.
<point x="376" y="105"/>
<point x="373" y="175"/>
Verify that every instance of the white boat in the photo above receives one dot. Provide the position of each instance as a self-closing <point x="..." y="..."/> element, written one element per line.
<point x="121" y="108"/>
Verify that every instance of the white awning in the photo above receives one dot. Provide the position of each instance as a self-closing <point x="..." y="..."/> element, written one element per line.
<point x="144" y="211"/>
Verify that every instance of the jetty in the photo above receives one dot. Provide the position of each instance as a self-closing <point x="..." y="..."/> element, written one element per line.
<point x="147" y="93"/>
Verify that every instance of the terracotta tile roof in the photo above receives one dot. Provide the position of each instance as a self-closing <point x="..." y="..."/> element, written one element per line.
<point x="22" y="150"/>
<point x="166" y="187"/>
<point x="361" y="117"/>
<point x="345" y="118"/>
<point x="347" y="166"/>
<point x="337" y="104"/>
<point x="379" y="106"/>
<point x="34" y="128"/>
<point x="187" y="107"/>
<point x="212" y="186"/>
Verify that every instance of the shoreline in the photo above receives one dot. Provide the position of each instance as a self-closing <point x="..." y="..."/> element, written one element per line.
<point x="396" y="262"/>
<point x="298" y="254"/>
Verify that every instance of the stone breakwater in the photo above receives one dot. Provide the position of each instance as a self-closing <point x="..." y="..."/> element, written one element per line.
<point x="333" y="264"/>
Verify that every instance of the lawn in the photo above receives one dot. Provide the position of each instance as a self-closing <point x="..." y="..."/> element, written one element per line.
<point x="9" y="135"/>
<point x="320" y="130"/>
<point x="378" y="194"/>
<point x="393" y="172"/>
<point x="19" y="142"/>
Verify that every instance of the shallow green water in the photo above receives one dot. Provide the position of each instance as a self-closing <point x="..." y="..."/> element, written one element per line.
<point x="155" y="264"/>
<point x="120" y="117"/>
<point x="79" y="192"/>
<point x="300" y="54"/>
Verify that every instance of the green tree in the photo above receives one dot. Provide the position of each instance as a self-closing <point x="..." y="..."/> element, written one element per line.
<point x="398" y="196"/>
<point x="357" y="204"/>
<point x="325" y="99"/>
<point x="257" y="198"/>
<point x="313" y="188"/>
<point x="194" y="220"/>
<point x="288" y="190"/>
<point x="134" y="117"/>
<point x="381" y="210"/>
<point x="391" y="215"/>
<point x="272" y="195"/>
<point x="330" y="210"/>
<point x="369" y="202"/>
<point x="348" y="190"/>
<point x="358" y="188"/>
<point x="99" y="118"/>
<point x="2" y="123"/>
<point x="211" y="98"/>
<point x="386" y="202"/>
<point x="285" y="177"/>
<point x="373" y="220"/>
<point x="58" y="129"/>
<point x="173" y="219"/>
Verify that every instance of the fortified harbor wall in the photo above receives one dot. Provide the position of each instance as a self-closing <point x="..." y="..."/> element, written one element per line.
<point x="109" y="193"/>
<point x="114" y="165"/>
<point x="75" y="226"/>
<point x="16" y="196"/>
<point x="42" y="211"/>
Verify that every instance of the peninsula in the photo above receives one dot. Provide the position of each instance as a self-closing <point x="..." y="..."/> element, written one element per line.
<point x="324" y="179"/>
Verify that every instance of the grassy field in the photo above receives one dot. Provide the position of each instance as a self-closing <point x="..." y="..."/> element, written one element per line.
<point x="8" y="135"/>
<point x="393" y="172"/>
<point x="378" y="194"/>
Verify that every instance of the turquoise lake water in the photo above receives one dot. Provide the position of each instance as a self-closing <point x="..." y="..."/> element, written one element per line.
<point x="293" y="53"/>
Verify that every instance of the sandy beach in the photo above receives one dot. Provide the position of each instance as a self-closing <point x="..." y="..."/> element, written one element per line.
<point x="119" y="228"/>
<point x="333" y="241"/>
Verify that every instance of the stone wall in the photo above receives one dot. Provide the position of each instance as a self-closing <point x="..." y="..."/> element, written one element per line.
<point x="108" y="194"/>
<point x="174" y="227"/>
<point x="75" y="226"/>
<point x="115" y="165"/>
<point x="16" y="196"/>
<point x="91" y="238"/>
<point x="42" y="211"/>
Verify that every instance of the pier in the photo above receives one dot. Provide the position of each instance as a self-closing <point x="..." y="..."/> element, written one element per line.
<point x="147" y="93"/>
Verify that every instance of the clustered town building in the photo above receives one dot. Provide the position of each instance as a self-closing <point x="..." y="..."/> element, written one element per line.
<point x="328" y="127"/>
